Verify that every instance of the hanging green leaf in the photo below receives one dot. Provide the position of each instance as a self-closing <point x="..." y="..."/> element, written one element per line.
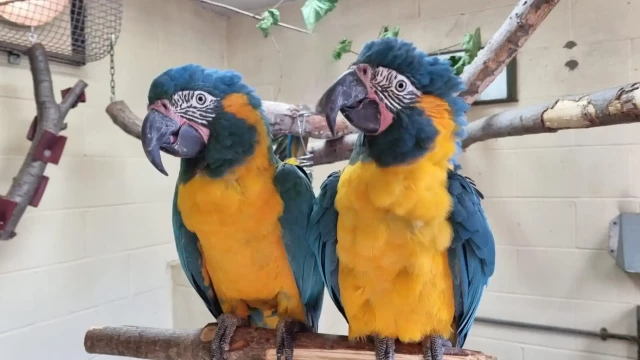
<point x="344" y="46"/>
<point x="386" y="32"/>
<point x="472" y="43"/>
<point x="268" y="19"/>
<point x="314" y="10"/>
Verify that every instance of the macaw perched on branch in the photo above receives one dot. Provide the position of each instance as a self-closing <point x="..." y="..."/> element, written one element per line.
<point x="404" y="245"/>
<point x="239" y="214"/>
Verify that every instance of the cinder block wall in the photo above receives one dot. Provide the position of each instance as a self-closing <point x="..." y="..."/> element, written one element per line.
<point x="549" y="197"/>
<point x="96" y="249"/>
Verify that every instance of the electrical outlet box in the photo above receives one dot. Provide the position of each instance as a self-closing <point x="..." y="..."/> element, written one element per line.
<point x="624" y="241"/>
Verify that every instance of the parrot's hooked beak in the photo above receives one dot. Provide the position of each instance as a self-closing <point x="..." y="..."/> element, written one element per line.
<point x="353" y="96"/>
<point x="164" y="130"/>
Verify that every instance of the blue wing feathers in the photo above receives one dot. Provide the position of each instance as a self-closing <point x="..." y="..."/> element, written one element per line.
<point x="472" y="252"/>
<point x="191" y="261"/>
<point x="322" y="233"/>
<point x="297" y="195"/>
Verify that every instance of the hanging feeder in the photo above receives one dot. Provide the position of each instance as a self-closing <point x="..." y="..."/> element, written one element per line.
<point x="74" y="32"/>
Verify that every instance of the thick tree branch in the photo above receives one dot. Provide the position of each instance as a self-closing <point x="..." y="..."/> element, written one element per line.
<point x="49" y="122"/>
<point x="247" y="343"/>
<point x="282" y="119"/>
<point x="503" y="46"/>
<point x="619" y="105"/>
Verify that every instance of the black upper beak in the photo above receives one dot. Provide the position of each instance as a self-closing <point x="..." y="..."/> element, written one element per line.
<point x="348" y="90"/>
<point x="160" y="132"/>
<point x="349" y="96"/>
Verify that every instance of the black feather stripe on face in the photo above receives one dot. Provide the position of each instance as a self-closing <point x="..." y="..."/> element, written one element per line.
<point x="196" y="106"/>
<point x="395" y="91"/>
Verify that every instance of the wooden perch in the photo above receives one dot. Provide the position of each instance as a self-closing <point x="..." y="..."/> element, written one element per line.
<point x="504" y="45"/>
<point x="282" y="119"/>
<point x="247" y="343"/>
<point x="46" y="145"/>
<point x="615" y="106"/>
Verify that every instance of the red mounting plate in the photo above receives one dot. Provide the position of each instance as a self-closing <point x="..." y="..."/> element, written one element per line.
<point x="32" y="129"/>
<point x="37" y="196"/>
<point x="49" y="148"/>
<point x="7" y="207"/>
<point x="82" y="98"/>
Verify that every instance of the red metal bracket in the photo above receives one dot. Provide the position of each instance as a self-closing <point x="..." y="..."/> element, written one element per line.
<point x="32" y="129"/>
<point x="7" y="207"/>
<point x="49" y="148"/>
<point x="82" y="98"/>
<point x="37" y="196"/>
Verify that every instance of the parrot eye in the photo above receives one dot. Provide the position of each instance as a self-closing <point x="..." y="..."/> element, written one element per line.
<point x="201" y="99"/>
<point x="197" y="106"/>
<point x="394" y="89"/>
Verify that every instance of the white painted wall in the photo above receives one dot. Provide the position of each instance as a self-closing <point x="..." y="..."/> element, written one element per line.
<point x="95" y="251"/>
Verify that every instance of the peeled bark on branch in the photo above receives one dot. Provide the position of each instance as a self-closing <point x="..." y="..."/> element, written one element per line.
<point x="615" y="106"/>
<point x="282" y="119"/>
<point x="504" y="45"/>
<point x="50" y="118"/>
<point x="247" y="343"/>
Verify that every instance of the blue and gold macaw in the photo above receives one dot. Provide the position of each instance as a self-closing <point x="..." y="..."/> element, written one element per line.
<point x="404" y="245"/>
<point x="239" y="214"/>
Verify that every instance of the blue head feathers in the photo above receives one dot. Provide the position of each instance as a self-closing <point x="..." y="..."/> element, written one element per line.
<point x="217" y="83"/>
<point x="190" y="118"/>
<point x="429" y="74"/>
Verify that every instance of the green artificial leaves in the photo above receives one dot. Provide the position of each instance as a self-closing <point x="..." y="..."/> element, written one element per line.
<point x="470" y="46"/>
<point x="314" y="10"/>
<point x="344" y="46"/>
<point x="268" y="19"/>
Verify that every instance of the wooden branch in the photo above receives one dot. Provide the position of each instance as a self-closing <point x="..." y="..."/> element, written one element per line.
<point x="615" y="106"/>
<point x="282" y="119"/>
<point x="247" y="343"/>
<point x="49" y="120"/>
<point x="503" y="46"/>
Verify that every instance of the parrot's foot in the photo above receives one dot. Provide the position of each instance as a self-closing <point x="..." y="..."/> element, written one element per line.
<point x="227" y="324"/>
<point x="433" y="347"/>
<point x="285" y="337"/>
<point x="385" y="348"/>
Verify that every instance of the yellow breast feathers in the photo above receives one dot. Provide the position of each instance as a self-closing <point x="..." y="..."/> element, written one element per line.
<point x="236" y="220"/>
<point x="393" y="235"/>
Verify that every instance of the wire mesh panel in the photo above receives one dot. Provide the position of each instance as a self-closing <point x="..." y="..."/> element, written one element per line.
<point x="73" y="31"/>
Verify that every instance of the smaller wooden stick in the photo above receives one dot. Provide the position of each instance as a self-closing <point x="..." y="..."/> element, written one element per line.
<point x="247" y="344"/>
<point x="282" y="119"/>
<point x="504" y="45"/>
<point x="50" y="118"/>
